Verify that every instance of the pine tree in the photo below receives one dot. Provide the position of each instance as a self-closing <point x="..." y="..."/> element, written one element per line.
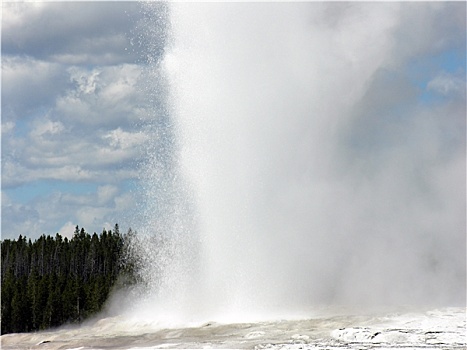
<point x="54" y="280"/>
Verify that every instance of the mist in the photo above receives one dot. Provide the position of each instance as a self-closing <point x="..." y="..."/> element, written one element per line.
<point x="301" y="165"/>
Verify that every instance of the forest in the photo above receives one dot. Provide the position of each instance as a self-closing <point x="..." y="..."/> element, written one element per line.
<point x="54" y="280"/>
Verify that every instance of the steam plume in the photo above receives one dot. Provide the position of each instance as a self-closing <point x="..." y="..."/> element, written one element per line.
<point x="305" y="170"/>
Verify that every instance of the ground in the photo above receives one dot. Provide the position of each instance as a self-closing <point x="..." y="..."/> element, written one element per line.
<point x="434" y="329"/>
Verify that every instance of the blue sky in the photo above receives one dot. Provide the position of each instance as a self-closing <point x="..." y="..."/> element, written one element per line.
<point x="76" y="104"/>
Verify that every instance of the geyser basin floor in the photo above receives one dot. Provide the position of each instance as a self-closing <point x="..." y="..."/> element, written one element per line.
<point x="435" y="329"/>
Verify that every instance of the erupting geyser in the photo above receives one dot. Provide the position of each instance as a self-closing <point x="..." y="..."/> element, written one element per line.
<point x="294" y="166"/>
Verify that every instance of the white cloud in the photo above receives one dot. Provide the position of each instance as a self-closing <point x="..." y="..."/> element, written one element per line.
<point x="106" y="193"/>
<point x="85" y="80"/>
<point x="71" y="33"/>
<point x="62" y="211"/>
<point x="105" y="96"/>
<point x="125" y="202"/>
<point x="6" y="200"/>
<point x="7" y="127"/>
<point x="95" y="115"/>
<point x="29" y="85"/>
<point x="67" y="230"/>
<point x="16" y="13"/>
<point x="119" y="138"/>
<point x="22" y="220"/>
<point x="91" y="216"/>
<point x="448" y="84"/>
<point x="44" y="128"/>
<point x="15" y="174"/>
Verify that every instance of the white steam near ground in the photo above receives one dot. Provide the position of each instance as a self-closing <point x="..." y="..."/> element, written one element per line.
<point x="301" y="166"/>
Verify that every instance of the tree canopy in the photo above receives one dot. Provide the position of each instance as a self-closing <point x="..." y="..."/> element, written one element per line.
<point x="56" y="280"/>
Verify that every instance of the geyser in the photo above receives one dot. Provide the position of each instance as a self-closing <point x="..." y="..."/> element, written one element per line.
<point x="303" y="168"/>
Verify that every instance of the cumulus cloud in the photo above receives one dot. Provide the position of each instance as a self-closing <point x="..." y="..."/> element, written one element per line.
<point x="119" y="138"/>
<point x="21" y="219"/>
<point x="106" y="193"/>
<point x="69" y="32"/>
<point x="107" y="96"/>
<point x="7" y="127"/>
<point x="61" y="112"/>
<point x="59" y="211"/>
<point x="74" y="100"/>
<point x="67" y="230"/>
<point x="46" y="128"/>
<point x="29" y="85"/>
<point x="448" y="84"/>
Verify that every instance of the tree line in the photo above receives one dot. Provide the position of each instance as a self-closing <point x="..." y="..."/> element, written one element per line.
<point x="56" y="280"/>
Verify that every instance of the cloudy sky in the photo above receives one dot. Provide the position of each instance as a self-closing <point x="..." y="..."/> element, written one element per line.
<point x="74" y="105"/>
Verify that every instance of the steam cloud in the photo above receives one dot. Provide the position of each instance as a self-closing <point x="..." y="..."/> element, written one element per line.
<point x="304" y="167"/>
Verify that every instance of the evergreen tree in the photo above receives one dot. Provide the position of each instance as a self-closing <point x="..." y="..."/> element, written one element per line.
<point x="54" y="280"/>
